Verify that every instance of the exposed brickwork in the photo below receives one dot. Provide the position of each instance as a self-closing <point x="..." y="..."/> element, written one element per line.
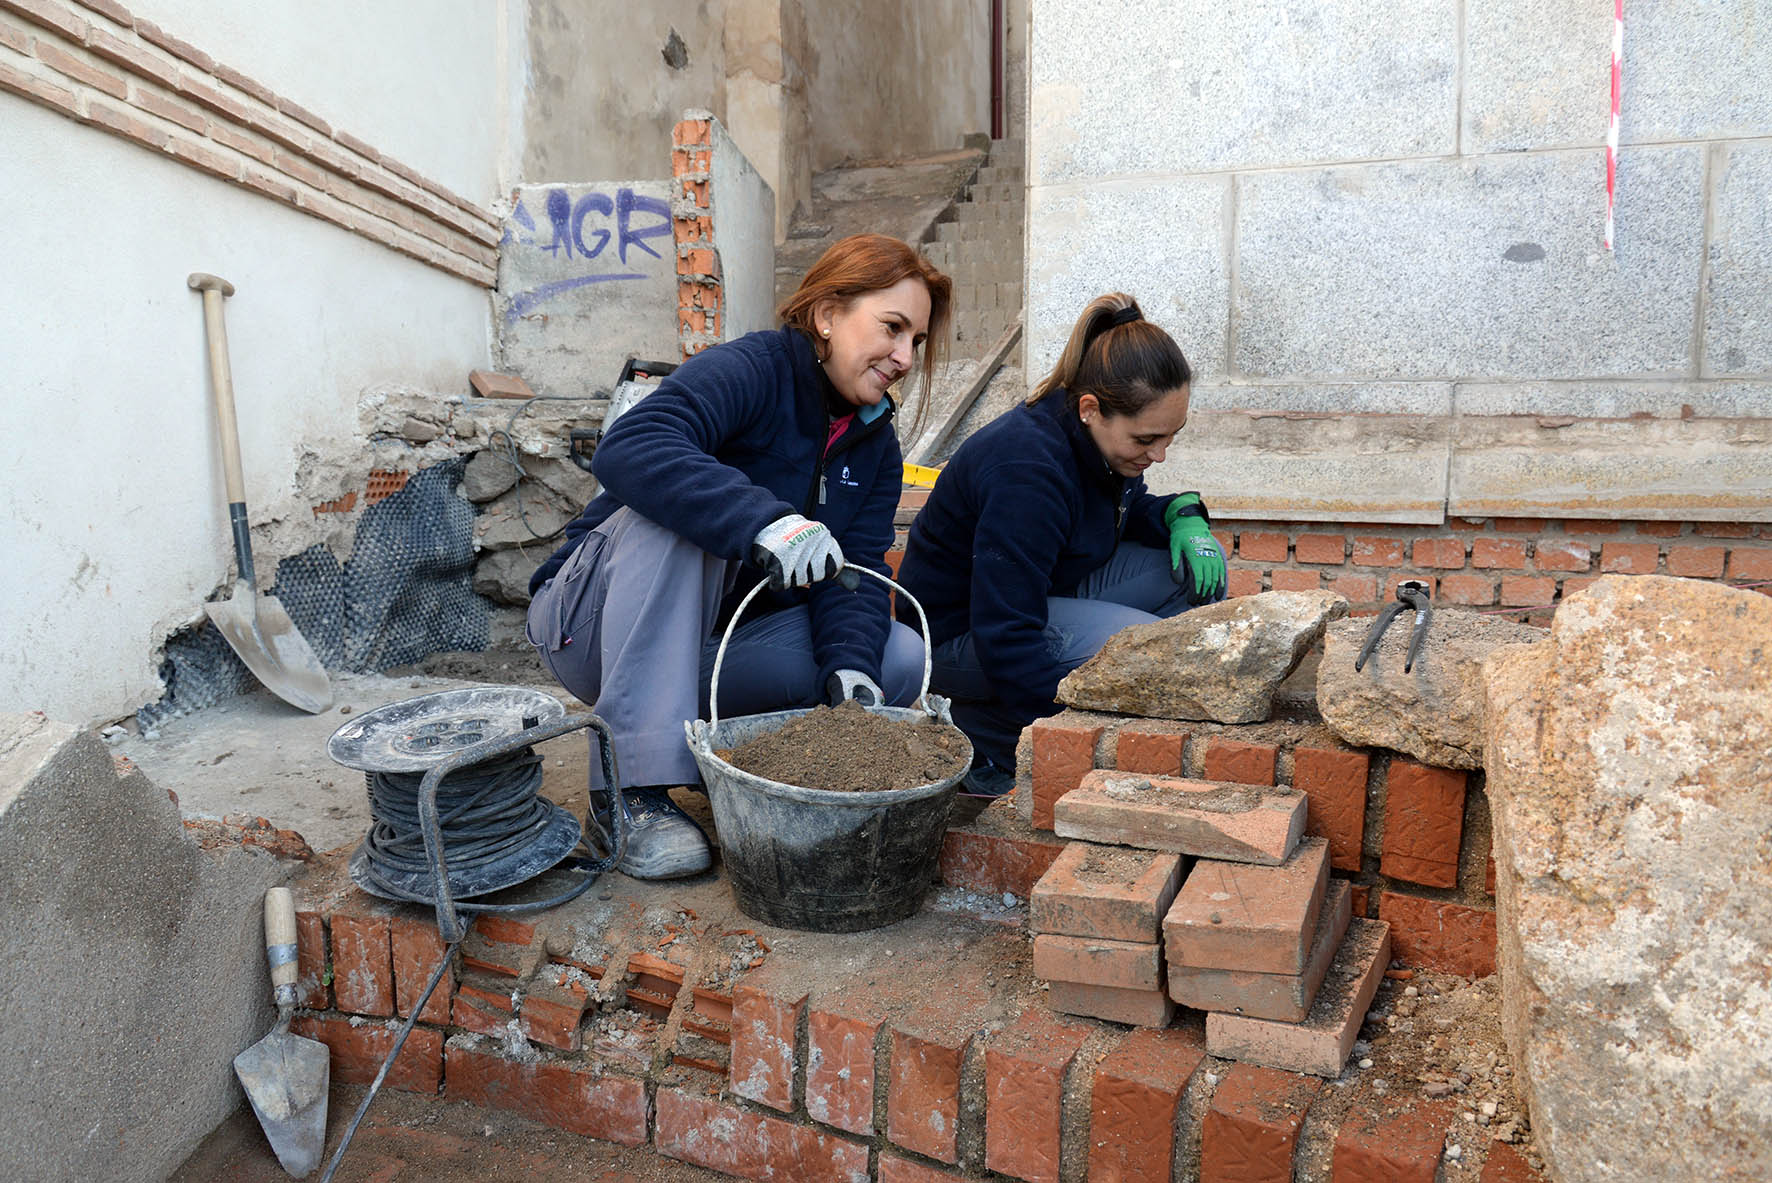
<point x="1433" y="935"/>
<point x="894" y="1169"/>
<point x="558" y="1093"/>
<point x="1121" y="965"/>
<point x="1251" y="1131"/>
<point x="362" y="961"/>
<point x="840" y="1070"/>
<point x="1320" y="548"/>
<point x="1508" y="554"/>
<point x="1260" y="547"/>
<point x="995" y="863"/>
<point x="1155" y="752"/>
<point x="1378" y="552"/>
<point x="1467" y="590"/>
<point x="923" y="1093"/>
<point x="359" y="1051"/>
<point x="1423" y="823"/>
<point x="1296" y="580"/>
<point x="1134" y="1105"/>
<point x="1629" y="558"/>
<point x="1063" y="752"/>
<point x="765" y="1026"/>
<point x="1125" y="901"/>
<point x="1335" y="783"/>
<point x="311" y="977"/>
<point x="1392" y="1145"/>
<point x="1024" y="1070"/>
<point x="700" y="293"/>
<point x="1243" y="763"/>
<point x="416" y="949"/>
<point x="1696" y="562"/>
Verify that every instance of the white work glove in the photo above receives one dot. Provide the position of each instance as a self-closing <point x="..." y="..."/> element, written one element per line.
<point x="847" y="684"/>
<point x="796" y="552"/>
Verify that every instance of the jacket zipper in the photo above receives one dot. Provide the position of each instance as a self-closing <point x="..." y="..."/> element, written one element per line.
<point x="815" y="496"/>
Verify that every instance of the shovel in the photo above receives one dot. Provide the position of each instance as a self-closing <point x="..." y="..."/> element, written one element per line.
<point x="257" y="627"/>
<point x="286" y="1076"/>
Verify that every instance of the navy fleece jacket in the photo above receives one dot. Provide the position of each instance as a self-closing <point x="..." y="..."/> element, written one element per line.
<point x="1026" y="509"/>
<point x="735" y="439"/>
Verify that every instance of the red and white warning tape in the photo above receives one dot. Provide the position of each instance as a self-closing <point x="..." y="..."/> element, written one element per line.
<point x="1612" y="132"/>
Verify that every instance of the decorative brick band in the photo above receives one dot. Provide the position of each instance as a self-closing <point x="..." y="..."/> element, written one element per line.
<point x="125" y="75"/>
<point x="700" y="301"/>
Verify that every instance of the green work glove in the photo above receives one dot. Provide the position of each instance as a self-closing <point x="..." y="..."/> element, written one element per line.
<point x="1194" y="555"/>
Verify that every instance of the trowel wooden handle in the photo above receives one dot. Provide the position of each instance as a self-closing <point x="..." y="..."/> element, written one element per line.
<point x="280" y="937"/>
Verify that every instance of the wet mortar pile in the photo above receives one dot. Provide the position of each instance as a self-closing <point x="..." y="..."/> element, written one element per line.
<point x="848" y="749"/>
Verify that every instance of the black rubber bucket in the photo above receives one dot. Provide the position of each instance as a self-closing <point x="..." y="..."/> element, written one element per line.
<point x="819" y="860"/>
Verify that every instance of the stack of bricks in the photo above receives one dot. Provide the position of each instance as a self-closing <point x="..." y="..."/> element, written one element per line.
<point x="1097" y="918"/>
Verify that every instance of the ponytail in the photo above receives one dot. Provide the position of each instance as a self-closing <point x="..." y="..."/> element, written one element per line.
<point x="1125" y="361"/>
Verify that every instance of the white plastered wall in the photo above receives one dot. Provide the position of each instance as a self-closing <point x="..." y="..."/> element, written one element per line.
<point x="114" y="529"/>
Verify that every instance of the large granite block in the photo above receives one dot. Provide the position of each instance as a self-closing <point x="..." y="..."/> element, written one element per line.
<point x="1738" y="315"/>
<point x="1240" y="823"/>
<point x="1195" y="85"/>
<point x="1162" y="241"/>
<point x="1492" y="266"/>
<point x="1538" y="75"/>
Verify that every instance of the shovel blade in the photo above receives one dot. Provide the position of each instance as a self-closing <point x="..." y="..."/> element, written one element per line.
<point x="286" y="1078"/>
<point x="261" y="633"/>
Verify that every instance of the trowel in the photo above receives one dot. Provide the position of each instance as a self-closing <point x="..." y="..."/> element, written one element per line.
<point x="286" y="1076"/>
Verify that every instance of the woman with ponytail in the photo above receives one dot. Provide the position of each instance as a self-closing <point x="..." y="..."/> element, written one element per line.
<point x="1039" y="541"/>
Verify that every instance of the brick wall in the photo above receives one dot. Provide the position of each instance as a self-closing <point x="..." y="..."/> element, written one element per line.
<point x="98" y="64"/>
<point x="700" y="299"/>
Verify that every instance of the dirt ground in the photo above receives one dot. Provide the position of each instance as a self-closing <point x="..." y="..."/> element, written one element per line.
<point x="407" y="1138"/>
<point x="847" y="750"/>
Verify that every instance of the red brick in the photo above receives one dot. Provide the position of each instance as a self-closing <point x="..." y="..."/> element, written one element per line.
<point x="1284" y="580"/>
<point x="1093" y="961"/>
<point x="1507" y="1165"/>
<point x="1361" y="898"/>
<point x="122" y="123"/>
<point x="994" y="863"/>
<point x="1470" y="590"/>
<point x="310" y="960"/>
<point x="1696" y="562"/>
<point x="362" y="963"/>
<point x="1261" y="547"/>
<point x="552" y="1009"/>
<point x="494" y="957"/>
<point x="1659" y="529"/>
<point x="416" y="950"/>
<point x="1134" y="1105"/>
<point x="1245" y="917"/>
<point x="1334" y="782"/>
<point x="1630" y="558"/>
<point x="1135" y="1008"/>
<point x="1239" y="762"/>
<point x="1521" y="525"/>
<point x="923" y="1093"/>
<point x="1431" y="935"/>
<point x="1320" y="548"/>
<point x="1285" y="997"/>
<point x="894" y="1169"/>
<point x="1591" y="526"/>
<point x="155" y="35"/>
<point x="1372" y="551"/>
<point x="1253" y="824"/>
<point x="1754" y="564"/>
<point x="1466" y="525"/>
<point x="1063" y="752"/>
<point x="18" y="38"/>
<point x="359" y="1051"/>
<point x="1024" y="1070"/>
<point x="1562" y="554"/>
<point x="1489" y="875"/>
<point x="1359" y="589"/>
<point x="111" y="9"/>
<point x="840" y="1070"/>
<point x="1505" y="553"/>
<point x="1723" y="529"/>
<point x="690" y="132"/>
<point x="1577" y="584"/>
<point x="561" y="1093"/>
<point x="765" y="1026"/>
<point x="127" y="53"/>
<point x="1244" y="582"/>
<point x="1155" y="752"/>
<point x="1392" y="1144"/>
<point x="81" y="70"/>
<point x="199" y="155"/>
<point x="179" y="113"/>
<point x="1112" y="892"/>
<point x="1447" y="553"/>
<point x="1251" y="1131"/>
<point x="1226" y="540"/>
<point x="51" y="15"/>
<point x="1423" y="823"/>
<point x="1527" y="590"/>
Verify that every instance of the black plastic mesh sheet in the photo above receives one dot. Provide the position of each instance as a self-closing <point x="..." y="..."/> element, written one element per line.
<point x="407" y="591"/>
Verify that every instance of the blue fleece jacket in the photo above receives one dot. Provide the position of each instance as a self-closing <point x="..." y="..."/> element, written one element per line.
<point x="735" y="439"/>
<point x="1026" y="509"/>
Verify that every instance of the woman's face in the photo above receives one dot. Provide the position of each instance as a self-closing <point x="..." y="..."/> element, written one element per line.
<point x="1132" y="443"/>
<point x="872" y="341"/>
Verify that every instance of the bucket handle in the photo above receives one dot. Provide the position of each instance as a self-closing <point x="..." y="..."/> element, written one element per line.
<point x="928" y="642"/>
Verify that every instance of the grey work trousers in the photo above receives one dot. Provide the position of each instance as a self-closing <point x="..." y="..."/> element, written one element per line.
<point x="626" y="625"/>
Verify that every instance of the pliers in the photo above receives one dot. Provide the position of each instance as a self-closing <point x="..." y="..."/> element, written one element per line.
<point x="1411" y="593"/>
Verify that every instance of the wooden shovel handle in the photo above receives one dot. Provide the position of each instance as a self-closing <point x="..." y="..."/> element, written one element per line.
<point x="214" y="290"/>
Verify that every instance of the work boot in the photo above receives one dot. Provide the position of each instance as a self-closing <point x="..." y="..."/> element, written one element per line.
<point x="978" y="788"/>
<point x="663" y="841"/>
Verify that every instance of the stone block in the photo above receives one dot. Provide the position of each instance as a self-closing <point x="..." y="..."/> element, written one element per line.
<point x="1178" y="271"/>
<point x="1630" y="754"/>
<point x="1134" y="1104"/>
<point x="1244" y="823"/>
<point x="1538" y="76"/>
<point x="1425" y="269"/>
<point x="1123" y="965"/>
<point x="1319" y="1045"/>
<point x="1737" y="331"/>
<point x="1107" y="892"/>
<point x="1286" y="998"/>
<point x="1140" y="1008"/>
<point x="1243" y="917"/>
<point x="1360" y="81"/>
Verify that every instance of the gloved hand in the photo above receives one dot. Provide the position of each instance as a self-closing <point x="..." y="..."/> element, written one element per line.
<point x="796" y="552"/>
<point x="846" y="684"/>
<point x="1194" y="555"/>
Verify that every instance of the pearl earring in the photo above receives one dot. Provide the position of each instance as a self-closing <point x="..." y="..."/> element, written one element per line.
<point x="825" y="332"/>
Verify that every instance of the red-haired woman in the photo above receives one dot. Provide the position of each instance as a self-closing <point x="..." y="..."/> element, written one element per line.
<point x="772" y="456"/>
<point x="1039" y="541"/>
